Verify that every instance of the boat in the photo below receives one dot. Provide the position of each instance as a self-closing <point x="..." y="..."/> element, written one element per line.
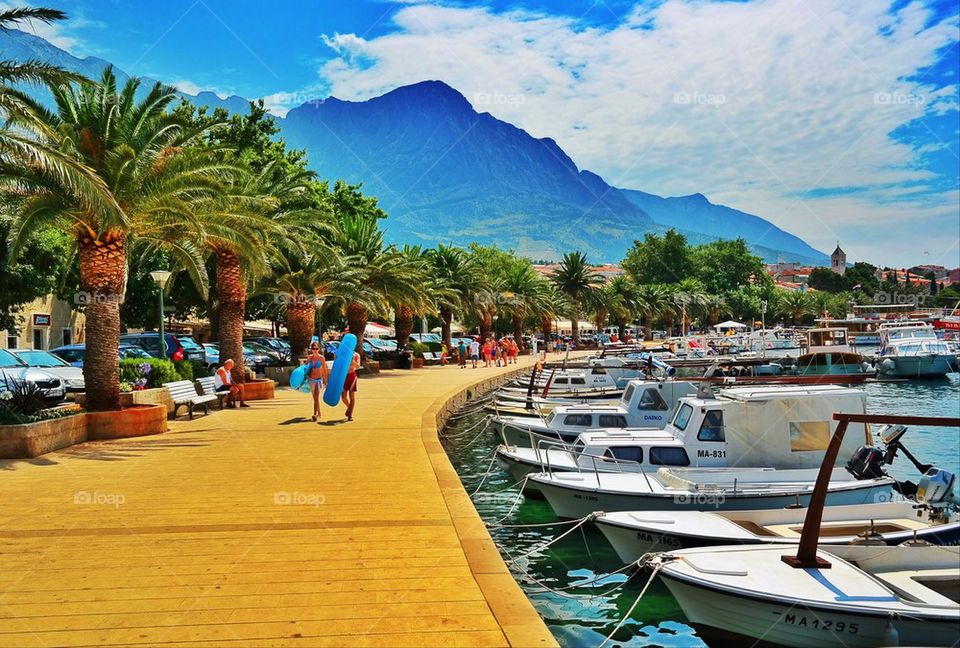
<point x="911" y="349"/>
<point x="760" y="426"/>
<point x="645" y="403"/>
<point x="575" y="495"/>
<point x="870" y="596"/>
<point x="856" y="595"/>
<point x="861" y="331"/>
<point x="635" y="533"/>
<point x="828" y="353"/>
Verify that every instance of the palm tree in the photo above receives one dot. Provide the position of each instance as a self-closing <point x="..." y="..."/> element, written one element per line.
<point x="654" y="301"/>
<point x="576" y="279"/>
<point x="715" y="306"/>
<point x="462" y="280"/>
<point x="137" y="149"/>
<point x="523" y="289"/>
<point x="384" y="275"/>
<point x="409" y="303"/>
<point x="690" y="300"/>
<point x="623" y="301"/>
<point x="795" y="303"/>
<point x="552" y="304"/>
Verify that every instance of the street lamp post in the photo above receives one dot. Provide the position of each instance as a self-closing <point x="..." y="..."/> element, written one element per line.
<point x="161" y="277"/>
<point x="763" y="328"/>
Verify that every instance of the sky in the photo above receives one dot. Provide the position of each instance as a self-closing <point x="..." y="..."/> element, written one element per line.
<point x="836" y="121"/>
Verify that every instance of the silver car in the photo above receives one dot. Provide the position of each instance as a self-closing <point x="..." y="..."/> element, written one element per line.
<point x="12" y="369"/>
<point x="44" y="360"/>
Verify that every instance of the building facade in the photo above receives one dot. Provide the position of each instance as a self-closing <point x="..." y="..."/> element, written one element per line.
<point x="838" y="261"/>
<point x="48" y="322"/>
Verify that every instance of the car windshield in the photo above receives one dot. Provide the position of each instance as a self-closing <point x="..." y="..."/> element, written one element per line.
<point x="8" y="360"/>
<point x="257" y="347"/>
<point x="40" y="359"/>
<point x="189" y="343"/>
<point x="73" y="355"/>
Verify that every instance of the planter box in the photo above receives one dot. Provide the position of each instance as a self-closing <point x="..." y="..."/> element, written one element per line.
<point x="281" y="375"/>
<point x="34" y="439"/>
<point x="418" y="363"/>
<point x="387" y="364"/>
<point x="156" y="396"/>
<point x="139" y="420"/>
<point x="260" y="389"/>
<point x="373" y="366"/>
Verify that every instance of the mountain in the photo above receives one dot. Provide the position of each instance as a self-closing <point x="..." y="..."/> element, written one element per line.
<point x="16" y="45"/>
<point x="445" y="172"/>
<point x="696" y="214"/>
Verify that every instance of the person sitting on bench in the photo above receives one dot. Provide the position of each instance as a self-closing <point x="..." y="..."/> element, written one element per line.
<point x="223" y="381"/>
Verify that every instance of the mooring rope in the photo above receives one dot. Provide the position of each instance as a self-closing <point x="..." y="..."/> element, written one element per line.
<point x="579" y="524"/>
<point x="644" y="560"/>
<point x="516" y="502"/>
<point x="485" y="421"/>
<point x="486" y="474"/>
<point x="560" y="591"/>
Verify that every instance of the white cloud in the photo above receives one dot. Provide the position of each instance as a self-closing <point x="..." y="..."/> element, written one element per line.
<point x="754" y="104"/>
<point x="62" y="34"/>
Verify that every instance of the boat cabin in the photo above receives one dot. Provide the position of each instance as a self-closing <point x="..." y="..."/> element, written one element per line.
<point x="827" y="340"/>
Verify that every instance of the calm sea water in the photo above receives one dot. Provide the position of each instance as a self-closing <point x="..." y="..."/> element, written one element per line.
<point x="573" y="585"/>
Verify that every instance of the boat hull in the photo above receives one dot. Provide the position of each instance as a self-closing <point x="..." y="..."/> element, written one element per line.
<point x="926" y="366"/>
<point x="830" y="364"/>
<point x="719" y="617"/>
<point x="631" y="543"/>
<point x="573" y="503"/>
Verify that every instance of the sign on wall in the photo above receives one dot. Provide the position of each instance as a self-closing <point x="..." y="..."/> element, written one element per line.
<point x="41" y="319"/>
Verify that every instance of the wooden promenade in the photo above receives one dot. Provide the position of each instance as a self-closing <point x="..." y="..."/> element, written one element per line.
<point x="257" y="527"/>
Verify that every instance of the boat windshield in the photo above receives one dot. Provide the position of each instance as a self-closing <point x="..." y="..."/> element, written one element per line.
<point x="682" y="418"/>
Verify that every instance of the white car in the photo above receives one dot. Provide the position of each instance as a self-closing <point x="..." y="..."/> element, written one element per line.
<point x="12" y="369"/>
<point x="44" y="360"/>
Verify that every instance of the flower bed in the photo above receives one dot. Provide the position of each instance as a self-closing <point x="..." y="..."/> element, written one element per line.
<point x="139" y="420"/>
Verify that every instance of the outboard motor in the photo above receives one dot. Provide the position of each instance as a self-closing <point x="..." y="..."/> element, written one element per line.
<point x="938" y="488"/>
<point x="866" y="463"/>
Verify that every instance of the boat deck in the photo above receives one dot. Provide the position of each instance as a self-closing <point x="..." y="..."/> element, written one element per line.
<point x="257" y="527"/>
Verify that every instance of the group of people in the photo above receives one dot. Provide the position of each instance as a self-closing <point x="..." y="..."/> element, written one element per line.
<point x="318" y="373"/>
<point x="495" y="353"/>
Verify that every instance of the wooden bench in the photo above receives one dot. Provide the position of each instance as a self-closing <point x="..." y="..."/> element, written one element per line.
<point x="184" y="392"/>
<point x="208" y="387"/>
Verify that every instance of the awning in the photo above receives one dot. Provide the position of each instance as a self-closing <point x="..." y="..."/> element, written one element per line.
<point x="729" y="324"/>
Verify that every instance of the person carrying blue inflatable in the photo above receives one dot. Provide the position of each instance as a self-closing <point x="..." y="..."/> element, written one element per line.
<point x="317" y="375"/>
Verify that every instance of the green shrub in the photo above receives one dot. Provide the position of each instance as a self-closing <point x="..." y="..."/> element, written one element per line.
<point x="148" y="373"/>
<point x="418" y="348"/>
<point x="200" y="369"/>
<point x="185" y="369"/>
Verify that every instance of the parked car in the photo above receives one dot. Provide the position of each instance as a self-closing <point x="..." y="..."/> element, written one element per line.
<point x="73" y="354"/>
<point x="71" y="376"/>
<point x="254" y="359"/>
<point x="278" y="345"/>
<point x="261" y="349"/>
<point x="179" y="347"/>
<point x="13" y="369"/>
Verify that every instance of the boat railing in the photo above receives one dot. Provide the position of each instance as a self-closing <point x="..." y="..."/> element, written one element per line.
<point x="619" y="463"/>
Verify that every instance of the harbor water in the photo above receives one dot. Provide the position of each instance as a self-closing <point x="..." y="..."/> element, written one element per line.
<point x="578" y="585"/>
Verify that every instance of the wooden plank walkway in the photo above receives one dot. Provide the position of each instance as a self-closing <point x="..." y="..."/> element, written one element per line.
<point x="257" y="527"/>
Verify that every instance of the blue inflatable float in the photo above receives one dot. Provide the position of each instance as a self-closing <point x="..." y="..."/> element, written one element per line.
<point x="341" y="366"/>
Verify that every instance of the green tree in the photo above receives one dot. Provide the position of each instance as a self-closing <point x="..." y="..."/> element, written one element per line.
<point x="659" y="259"/>
<point x="726" y="265"/>
<point x="34" y="275"/>
<point x="463" y="280"/>
<point x="827" y="280"/>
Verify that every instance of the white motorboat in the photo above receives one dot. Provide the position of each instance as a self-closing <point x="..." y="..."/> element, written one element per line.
<point x="863" y="594"/>
<point x="870" y="596"/>
<point x="913" y="350"/>
<point x="635" y="533"/>
<point x="645" y="403"/>
<point x="577" y="494"/>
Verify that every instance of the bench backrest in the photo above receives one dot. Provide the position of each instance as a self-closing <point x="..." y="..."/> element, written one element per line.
<point x="208" y="384"/>
<point x="181" y="390"/>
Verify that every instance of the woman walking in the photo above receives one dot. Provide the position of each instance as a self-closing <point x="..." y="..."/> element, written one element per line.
<point x="317" y="373"/>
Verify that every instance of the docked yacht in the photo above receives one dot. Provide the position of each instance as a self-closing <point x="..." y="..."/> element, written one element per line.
<point x="913" y="350"/>
<point x="645" y="403"/>
<point x="828" y="352"/>
<point x="779" y="427"/>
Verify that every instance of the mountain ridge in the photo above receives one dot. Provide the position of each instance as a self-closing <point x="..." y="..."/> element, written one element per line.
<point x="446" y="172"/>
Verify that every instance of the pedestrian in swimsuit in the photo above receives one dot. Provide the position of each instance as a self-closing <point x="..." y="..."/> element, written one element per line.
<point x="317" y="373"/>
<point x="350" y="386"/>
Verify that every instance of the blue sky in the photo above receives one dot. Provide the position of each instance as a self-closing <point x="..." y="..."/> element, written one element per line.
<point x="832" y="120"/>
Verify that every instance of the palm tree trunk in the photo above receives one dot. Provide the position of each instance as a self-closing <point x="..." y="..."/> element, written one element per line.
<point x="647" y="326"/>
<point x="546" y="327"/>
<point x="357" y="323"/>
<point x="301" y="315"/>
<point x="486" y="324"/>
<point x="103" y="272"/>
<point x="518" y="331"/>
<point x="575" y="325"/>
<point x="232" y="292"/>
<point x="622" y="328"/>
<point x="403" y="324"/>
<point x="446" y="319"/>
